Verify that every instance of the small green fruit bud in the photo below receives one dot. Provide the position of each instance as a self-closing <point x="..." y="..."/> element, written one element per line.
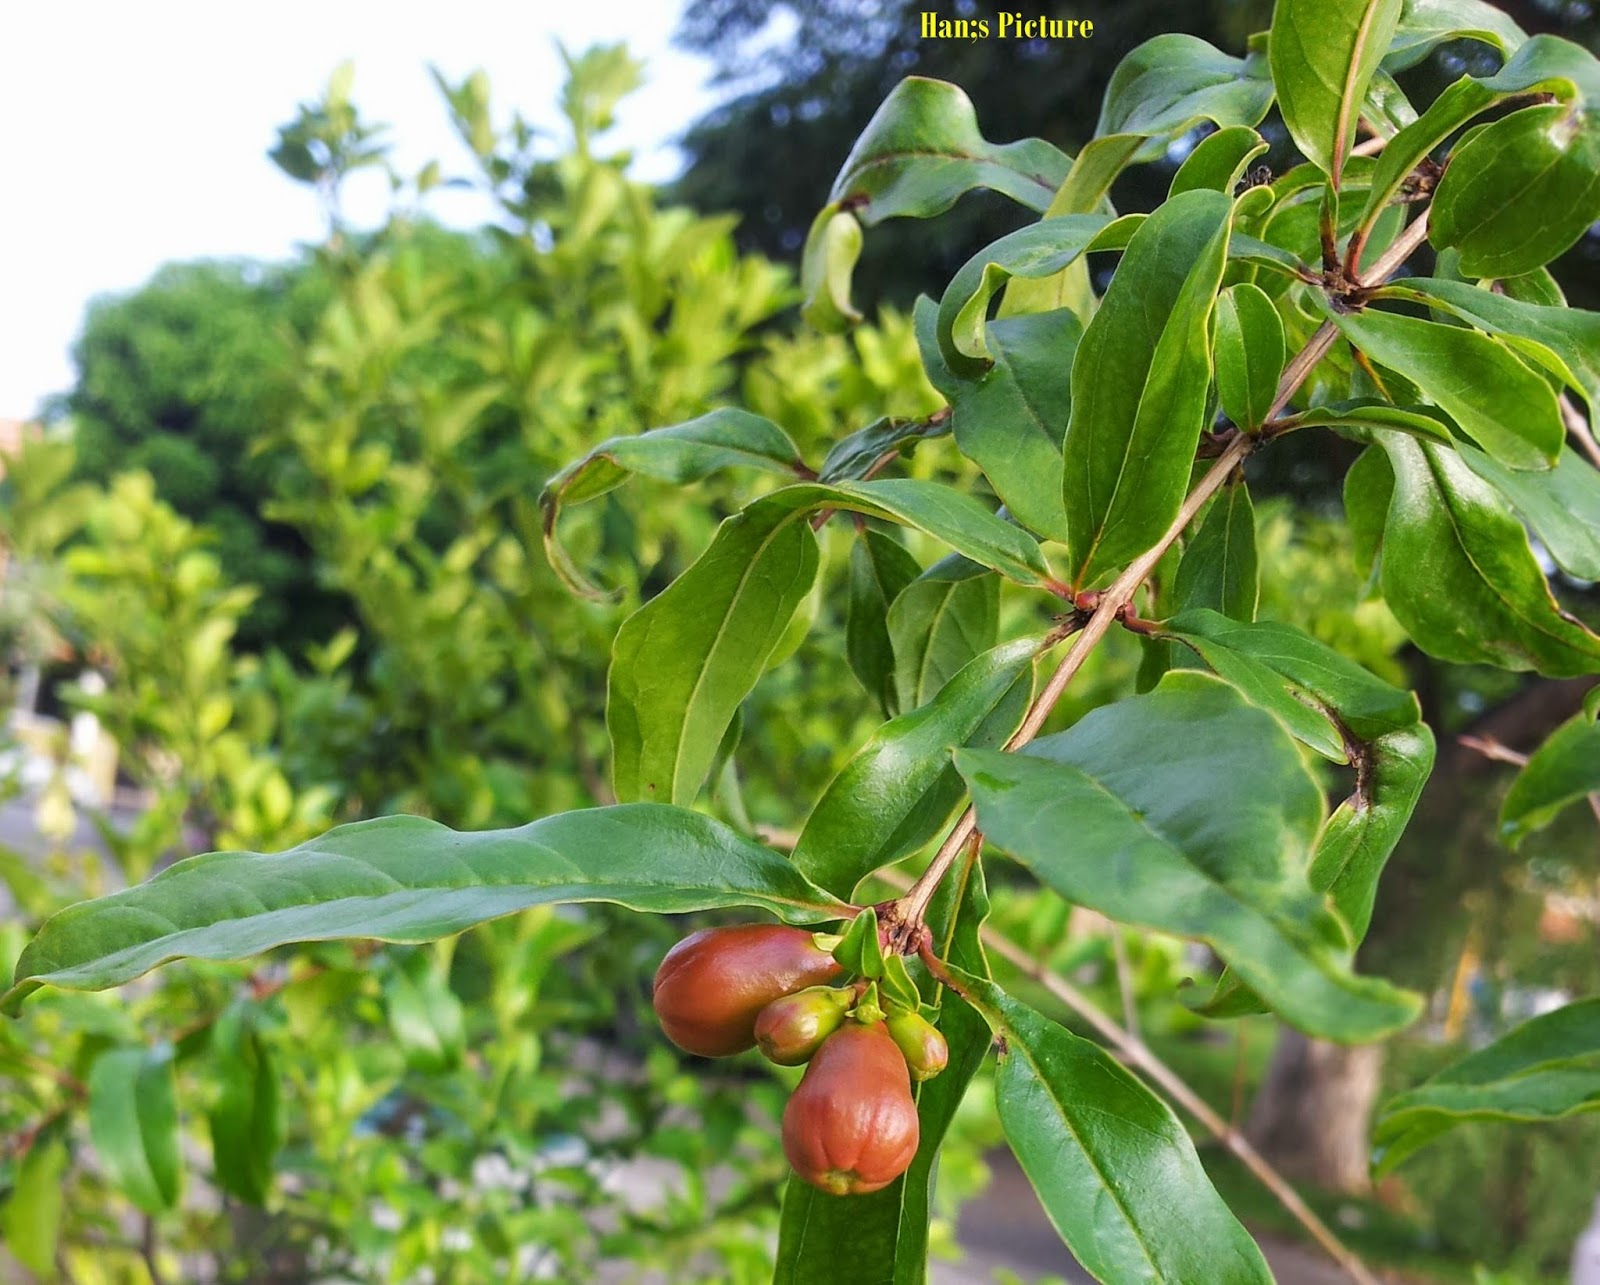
<point x="925" y="1050"/>
<point x="791" y="1029"/>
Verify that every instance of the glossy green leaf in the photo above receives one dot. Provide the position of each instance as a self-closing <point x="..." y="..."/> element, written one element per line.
<point x="1492" y="395"/>
<point x="726" y="438"/>
<point x="1426" y="24"/>
<point x="887" y="1231"/>
<point x="1250" y="354"/>
<point x="1549" y="156"/>
<point x="880" y="569"/>
<point x="922" y="150"/>
<point x="1563" y="771"/>
<point x="1038" y="250"/>
<point x="1368" y="492"/>
<point x="936" y="626"/>
<point x="1114" y="1168"/>
<point x="826" y="267"/>
<point x="1565" y="341"/>
<point x="899" y="788"/>
<point x="1361" y="835"/>
<point x="860" y="951"/>
<point x="1218" y="568"/>
<point x="406" y="879"/>
<point x="1140" y="383"/>
<point x="1323" y="56"/>
<point x="1189" y="811"/>
<point x="245" y="1130"/>
<point x="1545" y="64"/>
<point x="682" y="664"/>
<point x="1561" y="505"/>
<point x="1546" y="1069"/>
<point x="1315" y="692"/>
<point x="1218" y="161"/>
<point x="133" y="1122"/>
<point x="1361" y="415"/>
<point x="854" y="457"/>
<point x="1458" y="573"/>
<point x="685" y="660"/>
<point x="30" y="1219"/>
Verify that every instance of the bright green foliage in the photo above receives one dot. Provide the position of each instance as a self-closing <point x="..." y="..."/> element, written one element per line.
<point x="1088" y="444"/>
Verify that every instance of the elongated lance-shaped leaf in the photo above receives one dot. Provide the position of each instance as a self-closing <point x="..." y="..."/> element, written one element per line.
<point x="887" y="1231"/>
<point x="1545" y="1069"/>
<point x="1250" y="354"/>
<point x="1426" y="24"/>
<point x="855" y="457"/>
<point x="1561" y="505"/>
<point x="133" y="1122"/>
<point x="1218" y="161"/>
<point x="685" y="453"/>
<point x="1218" y="569"/>
<point x="1140" y="381"/>
<point x="684" y="661"/>
<point x="937" y="625"/>
<point x="1494" y="397"/>
<point x="1565" y="341"/>
<point x="1160" y="89"/>
<point x="899" y="788"/>
<point x="1549" y="155"/>
<point x="410" y="880"/>
<point x="827" y="266"/>
<point x="1563" y="771"/>
<point x="880" y="568"/>
<point x="1114" y="1168"/>
<point x="1457" y="570"/>
<point x="245" y="1132"/>
<point x="1323" y="55"/>
<point x="1545" y="64"/>
<point x="1189" y="811"/>
<point x="1010" y="419"/>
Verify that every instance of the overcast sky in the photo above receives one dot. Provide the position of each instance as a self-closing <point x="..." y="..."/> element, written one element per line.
<point x="133" y="134"/>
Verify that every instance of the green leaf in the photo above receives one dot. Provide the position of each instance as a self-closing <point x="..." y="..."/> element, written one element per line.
<point x="832" y="247"/>
<point x="1365" y="414"/>
<point x="922" y="151"/>
<point x="1368" y="491"/>
<point x="1458" y="573"/>
<point x="1546" y="1069"/>
<point x="245" y="1131"/>
<point x="1323" y="56"/>
<point x="899" y="788"/>
<point x="685" y="453"/>
<point x="1426" y="24"/>
<point x="1189" y="811"/>
<point x="1362" y="833"/>
<point x="682" y="663"/>
<point x="880" y="569"/>
<point x="1218" y="161"/>
<point x="1492" y="395"/>
<point x="133" y="1122"/>
<point x="30" y="1220"/>
<point x="887" y="1231"/>
<point x="1250" y="354"/>
<point x="1549" y="156"/>
<point x="406" y="879"/>
<point x="1565" y="341"/>
<point x="855" y="456"/>
<point x="1562" y="506"/>
<point x="1140" y="383"/>
<point x="425" y="1017"/>
<point x="1115" y="1170"/>
<point x="1545" y="64"/>
<point x="1318" y="694"/>
<point x="860" y="953"/>
<point x="936" y="626"/>
<point x="1218" y="568"/>
<point x="1563" y="771"/>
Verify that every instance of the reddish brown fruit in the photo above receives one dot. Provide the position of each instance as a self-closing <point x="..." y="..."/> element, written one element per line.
<point x="851" y="1126"/>
<point x="713" y="984"/>
<point x="919" y="1041"/>
<point x="792" y="1028"/>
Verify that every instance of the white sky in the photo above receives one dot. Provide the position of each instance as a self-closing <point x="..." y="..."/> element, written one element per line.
<point x="136" y="133"/>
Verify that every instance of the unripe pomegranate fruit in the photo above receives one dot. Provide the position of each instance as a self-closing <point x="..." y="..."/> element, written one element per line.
<point x="713" y="984"/>
<point x="851" y="1126"/>
<point x="792" y="1028"/>
<point x="919" y="1041"/>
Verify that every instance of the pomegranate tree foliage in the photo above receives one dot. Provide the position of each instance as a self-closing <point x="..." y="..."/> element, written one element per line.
<point x="1111" y="432"/>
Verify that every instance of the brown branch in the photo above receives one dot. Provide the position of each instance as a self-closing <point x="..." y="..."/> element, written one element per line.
<point x="1580" y="429"/>
<point x="1499" y="753"/>
<point x="1405" y="245"/>
<point x="1371" y="147"/>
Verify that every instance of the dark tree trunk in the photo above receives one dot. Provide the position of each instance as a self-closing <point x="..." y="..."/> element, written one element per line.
<point x="1313" y="1112"/>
